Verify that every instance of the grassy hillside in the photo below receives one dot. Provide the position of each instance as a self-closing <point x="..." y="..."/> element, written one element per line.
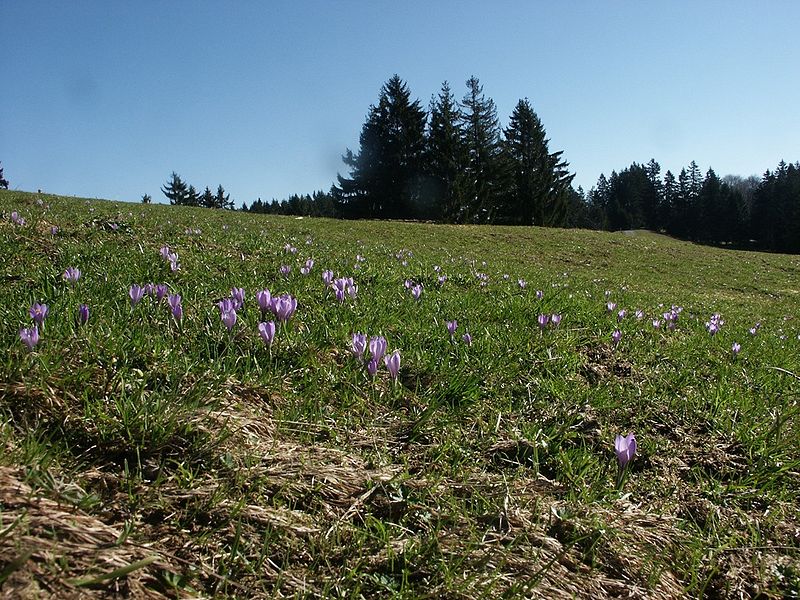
<point x="153" y="452"/>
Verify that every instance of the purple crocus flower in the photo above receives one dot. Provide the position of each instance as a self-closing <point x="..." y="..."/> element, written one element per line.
<point x="359" y="344"/>
<point x="736" y="348"/>
<point x="83" y="314"/>
<point x="611" y="306"/>
<point x="164" y="251"/>
<point x="327" y="277"/>
<point x="656" y="324"/>
<point x="451" y="326"/>
<point x="284" y="307"/>
<point x="377" y="347"/>
<point x="616" y="336"/>
<point x="161" y="290"/>
<point x="467" y="339"/>
<point x="372" y="367"/>
<point x="555" y="319"/>
<point x="149" y="288"/>
<point x="38" y="313"/>
<point x="416" y="291"/>
<point x="285" y="269"/>
<point x="237" y="294"/>
<point x="264" y="300"/>
<point x="543" y="320"/>
<point x="174" y="301"/>
<point x="625" y="448"/>
<point x="539" y="294"/>
<point x="522" y="283"/>
<point x="229" y="318"/>
<point x="71" y="275"/>
<point x="135" y="292"/>
<point x="29" y="336"/>
<point x="441" y="279"/>
<point x="621" y="314"/>
<point x="54" y="230"/>
<point x="267" y="332"/>
<point x="393" y="363"/>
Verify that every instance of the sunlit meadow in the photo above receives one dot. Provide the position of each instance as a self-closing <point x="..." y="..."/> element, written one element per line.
<point x="209" y="403"/>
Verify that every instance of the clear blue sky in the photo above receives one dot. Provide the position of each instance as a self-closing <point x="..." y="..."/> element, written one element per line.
<point x="106" y="98"/>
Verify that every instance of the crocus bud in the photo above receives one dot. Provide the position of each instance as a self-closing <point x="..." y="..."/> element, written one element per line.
<point x="267" y="332"/>
<point x="393" y="363"/>
<point x="83" y="314"/>
<point x="29" y="336"/>
<point x="625" y="447"/>
<point x="135" y="292"/>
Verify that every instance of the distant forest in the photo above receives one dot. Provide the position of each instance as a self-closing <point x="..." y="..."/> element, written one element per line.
<point x="454" y="163"/>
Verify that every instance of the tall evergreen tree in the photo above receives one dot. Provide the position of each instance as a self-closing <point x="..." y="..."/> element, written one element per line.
<point x="446" y="157"/>
<point x="176" y="190"/>
<point x="192" y="197"/>
<point x="386" y="175"/>
<point x="486" y="169"/>
<point x="541" y="181"/>
<point x="206" y="198"/>
<point x="3" y="180"/>
<point x="222" y="200"/>
<point x="667" y="205"/>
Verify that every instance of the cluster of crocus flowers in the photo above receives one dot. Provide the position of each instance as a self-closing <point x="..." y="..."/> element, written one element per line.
<point x="306" y="269"/>
<point x="543" y="320"/>
<point x="377" y="350"/>
<point x="344" y="287"/>
<point x="17" y="219"/>
<point x="714" y="324"/>
<point x="171" y="257"/>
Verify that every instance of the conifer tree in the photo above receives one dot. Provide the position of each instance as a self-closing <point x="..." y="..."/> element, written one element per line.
<point x="3" y="180"/>
<point x="176" y="190"/>
<point x="386" y="175"/>
<point x="192" y="197"/>
<point x="541" y="182"/>
<point x="446" y="157"/>
<point x="486" y="169"/>
<point x="221" y="199"/>
<point x="206" y="198"/>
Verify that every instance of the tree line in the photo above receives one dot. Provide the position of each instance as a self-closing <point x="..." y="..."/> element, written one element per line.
<point x="732" y="210"/>
<point x="179" y="192"/>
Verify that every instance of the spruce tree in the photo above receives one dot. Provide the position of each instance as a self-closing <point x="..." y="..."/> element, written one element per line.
<point x="221" y="199"/>
<point x="206" y="198"/>
<point x="386" y="176"/>
<point x="486" y="169"/>
<point x="176" y="190"/>
<point x="446" y="157"/>
<point x="541" y="182"/>
<point x="3" y="180"/>
<point x="192" y="197"/>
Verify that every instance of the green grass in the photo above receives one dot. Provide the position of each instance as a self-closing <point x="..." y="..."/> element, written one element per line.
<point x="147" y="457"/>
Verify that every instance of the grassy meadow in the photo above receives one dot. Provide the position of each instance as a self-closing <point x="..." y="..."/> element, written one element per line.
<point x="151" y="453"/>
